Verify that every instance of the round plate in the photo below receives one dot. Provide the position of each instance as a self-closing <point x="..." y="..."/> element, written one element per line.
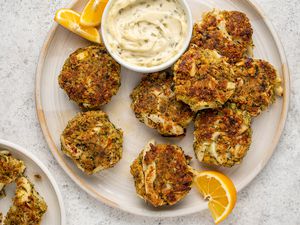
<point x="46" y="186"/>
<point x="115" y="186"/>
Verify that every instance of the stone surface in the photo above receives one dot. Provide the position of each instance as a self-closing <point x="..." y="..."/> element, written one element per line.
<point x="273" y="198"/>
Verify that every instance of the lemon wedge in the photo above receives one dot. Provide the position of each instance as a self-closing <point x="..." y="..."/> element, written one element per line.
<point x="92" y="13"/>
<point x="70" y="20"/>
<point x="220" y="192"/>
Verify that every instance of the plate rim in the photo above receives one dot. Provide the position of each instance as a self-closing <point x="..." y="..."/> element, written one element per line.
<point x="55" y="152"/>
<point x="23" y="151"/>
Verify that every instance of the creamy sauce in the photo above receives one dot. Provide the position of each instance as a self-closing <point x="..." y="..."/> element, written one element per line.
<point x="146" y="32"/>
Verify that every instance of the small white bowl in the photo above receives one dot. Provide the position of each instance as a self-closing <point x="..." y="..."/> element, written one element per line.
<point x="156" y="68"/>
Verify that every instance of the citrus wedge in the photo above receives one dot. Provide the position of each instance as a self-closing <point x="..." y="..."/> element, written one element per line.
<point x="92" y="13"/>
<point x="70" y="20"/>
<point x="220" y="192"/>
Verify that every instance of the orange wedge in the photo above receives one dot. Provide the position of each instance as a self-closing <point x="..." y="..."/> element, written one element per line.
<point x="92" y="13"/>
<point x="70" y="20"/>
<point x="220" y="192"/>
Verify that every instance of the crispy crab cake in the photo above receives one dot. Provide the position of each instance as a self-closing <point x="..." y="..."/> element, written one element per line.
<point x="203" y="79"/>
<point x="229" y="32"/>
<point x="90" y="77"/>
<point x="28" y="206"/>
<point x="222" y="136"/>
<point x="258" y="83"/>
<point x="92" y="141"/>
<point x="154" y="103"/>
<point x="10" y="169"/>
<point x="161" y="174"/>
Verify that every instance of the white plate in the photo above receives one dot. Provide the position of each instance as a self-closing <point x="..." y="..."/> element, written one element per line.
<point x="115" y="186"/>
<point x="46" y="186"/>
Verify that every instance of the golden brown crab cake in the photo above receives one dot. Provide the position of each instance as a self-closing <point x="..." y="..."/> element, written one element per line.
<point x="161" y="174"/>
<point x="154" y="103"/>
<point x="222" y="136"/>
<point x="229" y="32"/>
<point x="258" y="83"/>
<point x="90" y="77"/>
<point x="92" y="141"/>
<point x="28" y="206"/>
<point x="203" y="79"/>
<point x="10" y="169"/>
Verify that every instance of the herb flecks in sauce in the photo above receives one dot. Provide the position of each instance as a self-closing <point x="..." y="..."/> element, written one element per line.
<point x="145" y="30"/>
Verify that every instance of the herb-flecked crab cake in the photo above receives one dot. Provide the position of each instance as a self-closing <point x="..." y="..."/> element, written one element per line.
<point x="90" y="77"/>
<point x="92" y="141"/>
<point x="258" y="83"/>
<point x="154" y="103"/>
<point x="161" y="174"/>
<point x="10" y="169"/>
<point x="228" y="32"/>
<point x="222" y="136"/>
<point x="28" y="206"/>
<point x="203" y="79"/>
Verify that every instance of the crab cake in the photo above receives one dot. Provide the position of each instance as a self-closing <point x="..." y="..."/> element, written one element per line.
<point x="10" y="169"/>
<point x="90" y="77"/>
<point x="222" y="136"/>
<point x="229" y="32"/>
<point x="203" y="79"/>
<point x="154" y="103"/>
<point x="161" y="174"/>
<point x="28" y="206"/>
<point x="92" y="141"/>
<point x="258" y="83"/>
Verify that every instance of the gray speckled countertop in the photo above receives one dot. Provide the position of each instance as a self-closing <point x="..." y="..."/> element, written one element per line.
<point x="272" y="198"/>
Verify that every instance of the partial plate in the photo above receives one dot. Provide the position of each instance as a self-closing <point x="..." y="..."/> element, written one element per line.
<point x="46" y="186"/>
<point x="115" y="186"/>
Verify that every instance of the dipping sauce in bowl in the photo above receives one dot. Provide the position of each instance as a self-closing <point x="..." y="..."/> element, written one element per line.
<point x="145" y="35"/>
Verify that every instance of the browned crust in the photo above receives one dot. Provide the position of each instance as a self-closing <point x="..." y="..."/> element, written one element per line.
<point x="26" y="211"/>
<point x="10" y="169"/>
<point x="92" y="149"/>
<point x="229" y="123"/>
<point x="257" y="83"/>
<point x="155" y="96"/>
<point x="173" y="177"/>
<point x="90" y="82"/>
<point x="202" y="77"/>
<point x="207" y="34"/>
